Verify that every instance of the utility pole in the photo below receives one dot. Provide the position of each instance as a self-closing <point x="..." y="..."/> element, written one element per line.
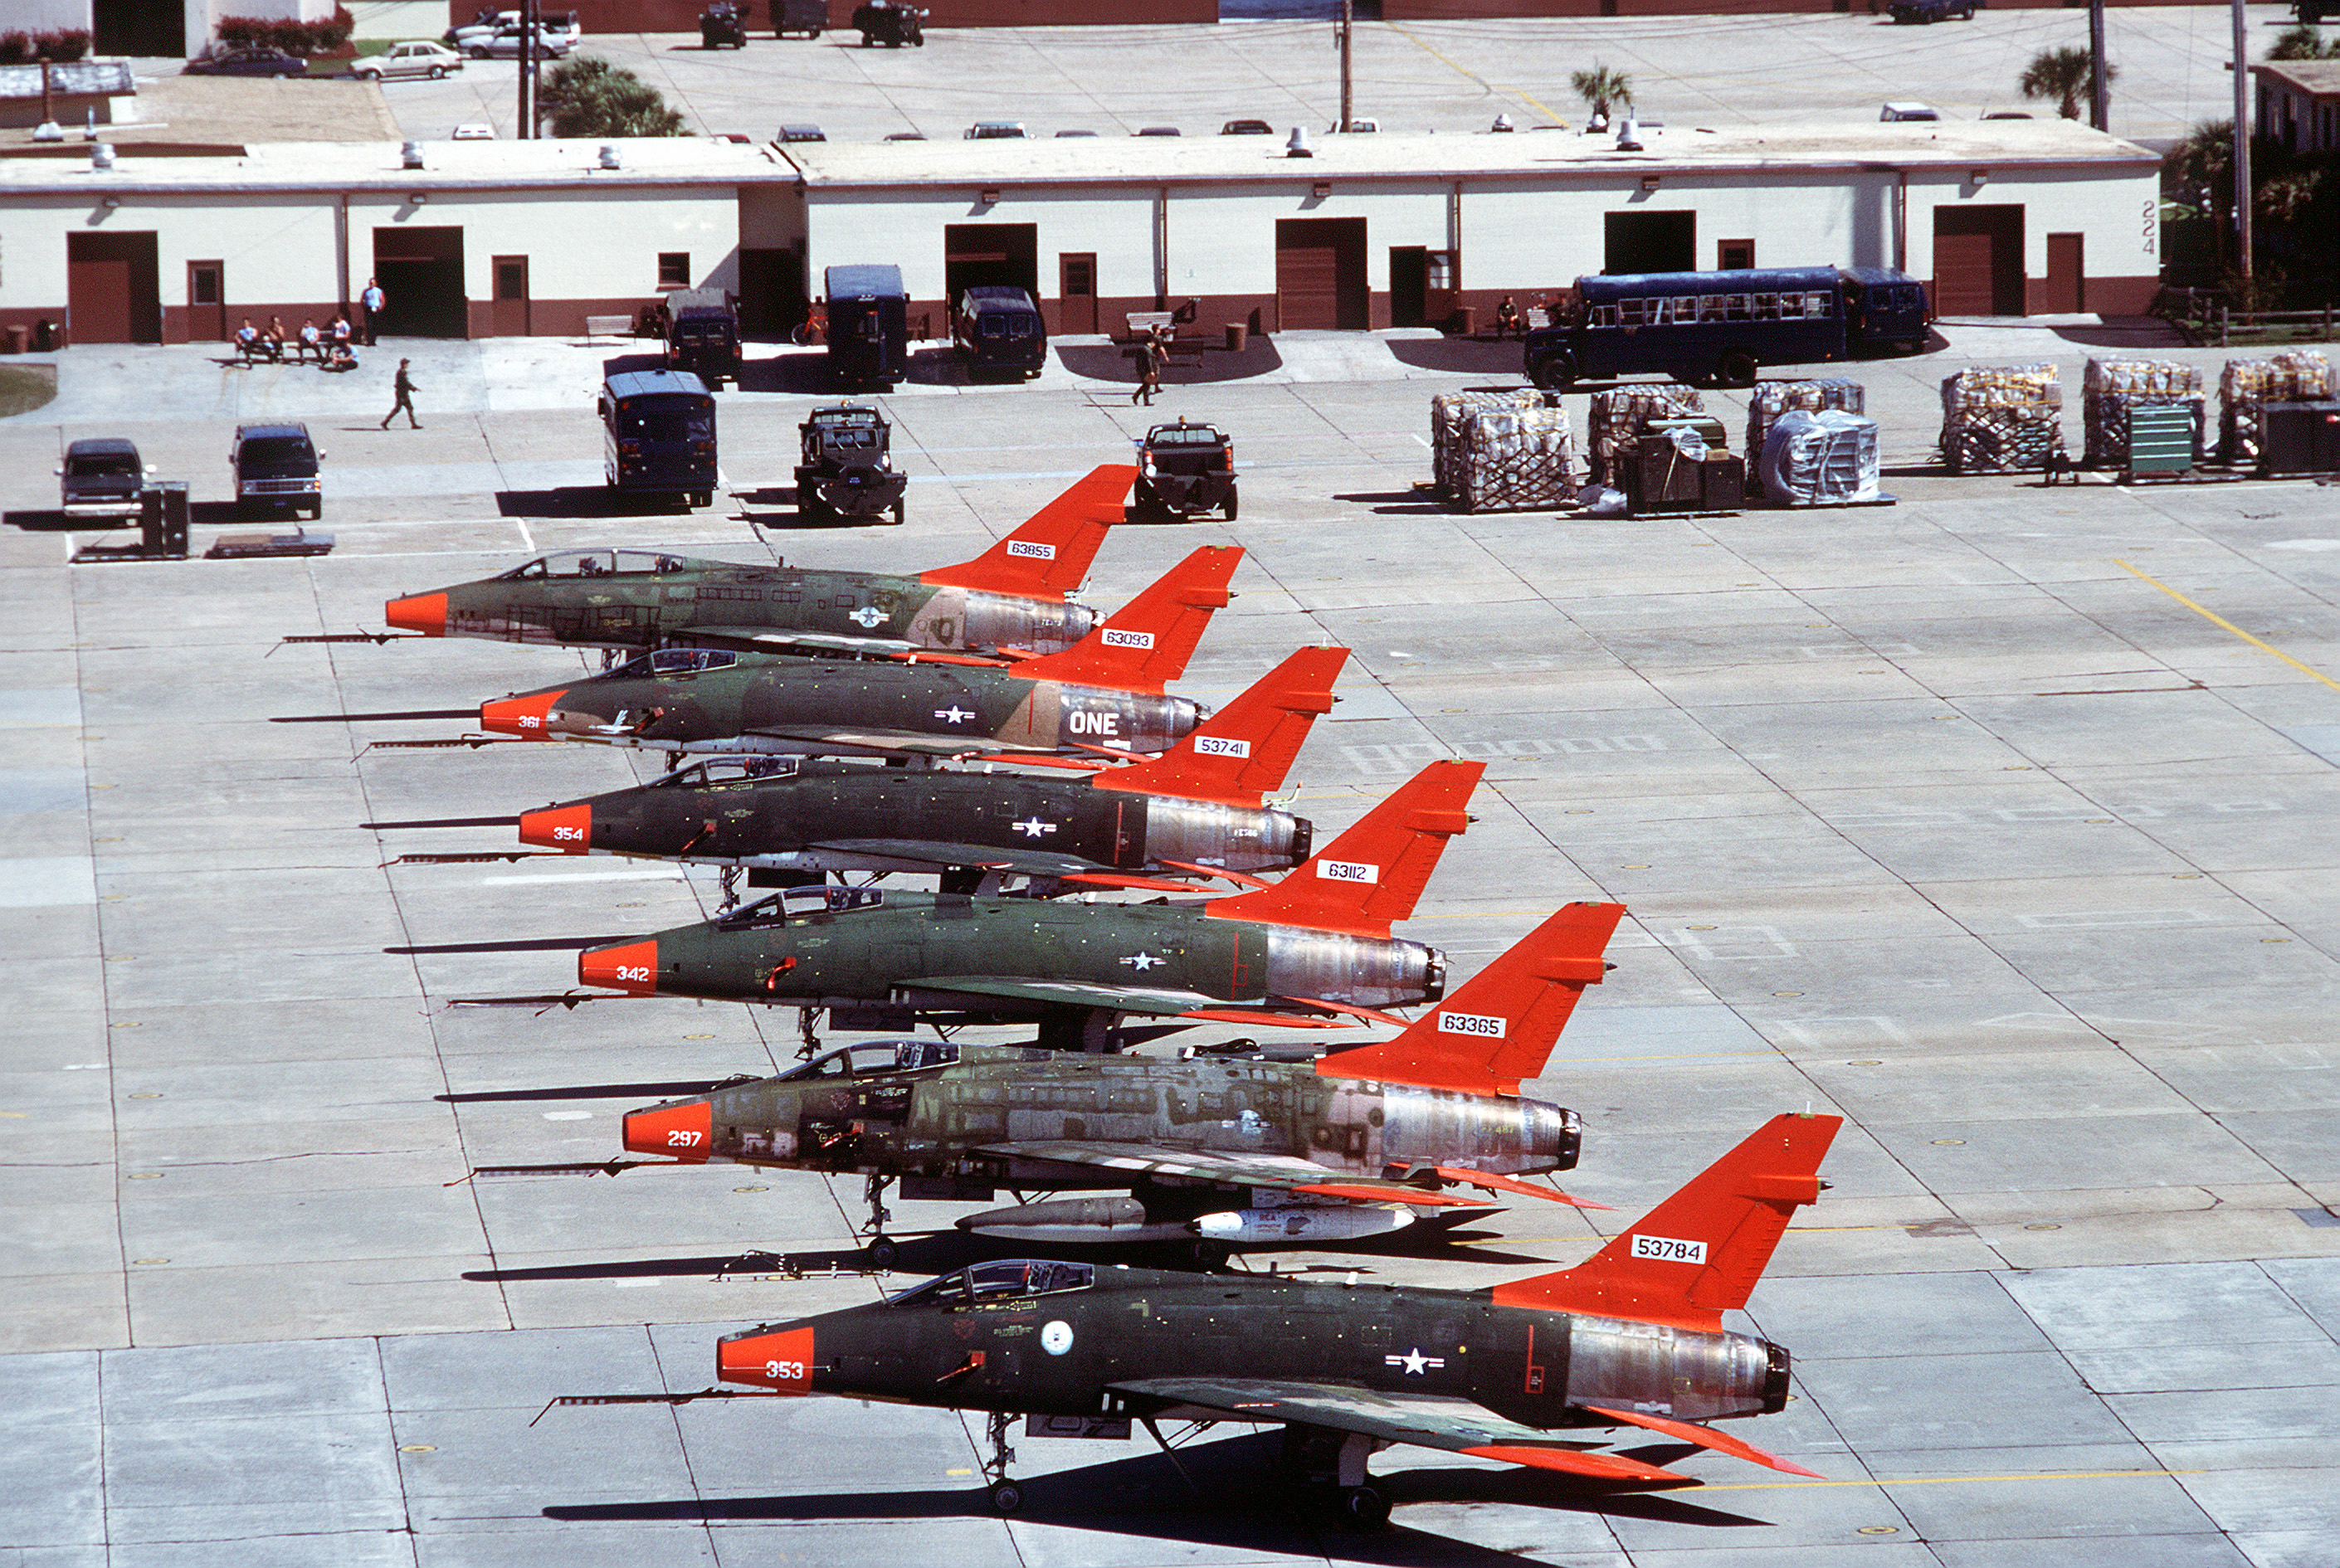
<point x="1348" y="19"/>
<point x="531" y="17"/>
<point x="2100" y="112"/>
<point x="2243" y="145"/>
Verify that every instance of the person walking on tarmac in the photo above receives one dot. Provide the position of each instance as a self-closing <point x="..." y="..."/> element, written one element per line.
<point x="1149" y="369"/>
<point x="370" y="303"/>
<point x="405" y="387"/>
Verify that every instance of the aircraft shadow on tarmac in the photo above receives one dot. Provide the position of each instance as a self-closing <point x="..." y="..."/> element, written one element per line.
<point x="921" y="1255"/>
<point x="214" y="512"/>
<point x="584" y="501"/>
<point x="1226" y="1494"/>
<point x="1400" y="503"/>
<point x="1187" y="366"/>
<point x="792" y="516"/>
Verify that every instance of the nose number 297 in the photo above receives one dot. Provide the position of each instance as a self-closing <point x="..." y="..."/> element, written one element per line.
<point x="680" y="1139"/>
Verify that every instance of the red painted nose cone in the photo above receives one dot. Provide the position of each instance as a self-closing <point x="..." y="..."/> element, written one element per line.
<point x="683" y="1131"/>
<point x="632" y="969"/>
<point x="425" y="613"/>
<point x="569" y="827"/>
<point x="781" y="1360"/>
<point x="519" y="715"/>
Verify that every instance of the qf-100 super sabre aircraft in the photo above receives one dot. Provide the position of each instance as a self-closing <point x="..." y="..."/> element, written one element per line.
<point x="1317" y="942"/>
<point x="1015" y="597"/>
<point x="1102" y="696"/>
<point x="1221" y="1152"/>
<point x="1631" y="1338"/>
<point x="1104" y="691"/>
<point x="1197" y="811"/>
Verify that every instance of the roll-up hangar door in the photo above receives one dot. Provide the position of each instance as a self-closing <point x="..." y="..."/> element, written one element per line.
<point x="1320" y="274"/>
<point x="1979" y="261"/>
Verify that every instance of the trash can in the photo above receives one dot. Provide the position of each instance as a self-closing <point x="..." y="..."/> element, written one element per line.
<point x="163" y="520"/>
<point x="1238" y="336"/>
<point x="47" y="337"/>
<point x="1466" y="320"/>
<point x="17" y="340"/>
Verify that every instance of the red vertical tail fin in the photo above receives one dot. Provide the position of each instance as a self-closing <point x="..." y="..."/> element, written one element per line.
<point x="1246" y="749"/>
<point x="1047" y="555"/>
<point x="1149" y="639"/>
<point x="1699" y="1254"/>
<point x="1373" y="873"/>
<point x="1498" y="1027"/>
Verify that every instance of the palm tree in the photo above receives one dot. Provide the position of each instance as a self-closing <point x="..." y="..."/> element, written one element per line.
<point x="1602" y="88"/>
<point x="2061" y="74"/>
<point x="2304" y="44"/>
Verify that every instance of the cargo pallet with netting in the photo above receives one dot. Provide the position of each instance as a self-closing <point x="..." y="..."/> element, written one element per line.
<point x="2003" y="420"/>
<point x="1513" y="460"/>
<point x="2302" y="375"/>
<point x="1446" y="414"/>
<point x="1613" y="431"/>
<point x="1770" y="400"/>
<point x="2111" y="389"/>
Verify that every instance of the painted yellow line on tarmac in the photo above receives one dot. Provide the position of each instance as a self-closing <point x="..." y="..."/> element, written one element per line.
<point x="1538" y="105"/>
<point x="1943" y="1480"/>
<point x="2221" y="620"/>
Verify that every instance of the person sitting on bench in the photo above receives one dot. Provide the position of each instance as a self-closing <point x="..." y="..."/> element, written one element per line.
<point x="309" y="343"/>
<point x="247" y="340"/>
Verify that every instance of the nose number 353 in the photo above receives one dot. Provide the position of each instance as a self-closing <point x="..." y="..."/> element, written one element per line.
<point x="785" y="1371"/>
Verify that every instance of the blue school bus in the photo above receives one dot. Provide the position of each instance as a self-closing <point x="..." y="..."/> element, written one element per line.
<point x="658" y="435"/>
<point x="1725" y="327"/>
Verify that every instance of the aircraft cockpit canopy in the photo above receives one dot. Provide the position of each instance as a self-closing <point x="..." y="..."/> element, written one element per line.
<point x="873" y="1059"/>
<point x="1004" y="1280"/>
<point x="668" y="661"/>
<point x="604" y="563"/>
<point x="801" y="903"/>
<point x="716" y="772"/>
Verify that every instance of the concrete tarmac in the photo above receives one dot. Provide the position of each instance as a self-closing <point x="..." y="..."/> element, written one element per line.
<point x="1963" y="818"/>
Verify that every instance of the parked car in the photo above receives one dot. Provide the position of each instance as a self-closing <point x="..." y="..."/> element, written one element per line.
<point x="403" y="62"/>
<point x="881" y="22"/>
<point x="808" y="18"/>
<point x="1156" y="131"/>
<point x="1076" y="133"/>
<point x="1907" y="111"/>
<point x="276" y="465"/>
<point x="473" y="131"/>
<point x="906" y="135"/>
<point x="506" y="45"/>
<point x="490" y="21"/>
<point x="1246" y="128"/>
<point x="996" y="131"/>
<point x="249" y="62"/>
<point x="722" y="24"/>
<point x="102" y="478"/>
<point x="801" y="134"/>
<point x="1925" y="10"/>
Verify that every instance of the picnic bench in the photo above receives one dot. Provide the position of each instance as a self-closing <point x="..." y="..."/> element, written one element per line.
<point x="608" y="326"/>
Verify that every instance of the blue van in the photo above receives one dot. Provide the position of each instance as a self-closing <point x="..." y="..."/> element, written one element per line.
<point x="659" y="435"/>
<point x="1000" y="329"/>
<point x="868" y="325"/>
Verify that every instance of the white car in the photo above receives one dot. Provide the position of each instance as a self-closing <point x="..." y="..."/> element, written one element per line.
<point x="556" y="24"/>
<point x="403" y="61"/>
<point x="506" y="45"/>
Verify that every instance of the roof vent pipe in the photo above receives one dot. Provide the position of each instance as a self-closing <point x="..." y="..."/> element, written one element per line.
<point x="100" y="156"/>
<point x="1628" y="134"/>
<point x="610" y="156"/>
<point x="1298" y="146"/>
<point x="409" y="156"/>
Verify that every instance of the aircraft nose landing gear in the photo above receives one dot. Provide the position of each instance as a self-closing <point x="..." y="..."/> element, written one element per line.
<point x="1007" y="1496"/>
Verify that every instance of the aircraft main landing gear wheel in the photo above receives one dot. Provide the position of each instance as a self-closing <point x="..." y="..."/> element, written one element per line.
<point x="1006" y="1497"/>
<point x="1210" y="1255"/>
<point x="1366" y="1507"/>
<point x="882" y="1256"/>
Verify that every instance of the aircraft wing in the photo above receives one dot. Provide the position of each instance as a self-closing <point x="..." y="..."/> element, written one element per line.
<point x="1456" y="1426"/>
<point x="1149" y="999"/>
<point x="943" y="852"/>
<point x="855" y="740"/>
<point x="1282" y="1171"/>
<point x="777" y="639"/>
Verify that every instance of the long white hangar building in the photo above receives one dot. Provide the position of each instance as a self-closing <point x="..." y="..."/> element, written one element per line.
<point x="480" y="239"/>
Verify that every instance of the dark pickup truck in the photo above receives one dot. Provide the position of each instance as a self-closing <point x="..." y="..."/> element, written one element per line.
<point x="1922" y="12"/>
<point x="100" y="478"/>
<point x="1183" y="468"/>
<point x="847" y="470"/>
